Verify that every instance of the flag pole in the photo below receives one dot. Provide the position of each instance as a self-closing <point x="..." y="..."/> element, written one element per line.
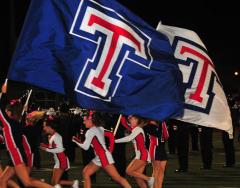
<point x="27" y="100"/>
<point x="5" y="83"/>
<point x="117" y="125"/>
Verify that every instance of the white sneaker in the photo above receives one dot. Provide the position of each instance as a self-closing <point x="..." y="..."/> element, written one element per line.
<point x="75" y="184"/>
<point x="57" y="186"/>
<point x="150" y="182"/>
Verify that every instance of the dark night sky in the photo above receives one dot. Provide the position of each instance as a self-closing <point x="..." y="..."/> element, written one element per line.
<point x="217" y="24"/>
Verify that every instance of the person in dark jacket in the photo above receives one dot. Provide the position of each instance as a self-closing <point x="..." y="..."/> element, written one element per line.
<point x="182" y="145"/>
<point x="206" y="144"/>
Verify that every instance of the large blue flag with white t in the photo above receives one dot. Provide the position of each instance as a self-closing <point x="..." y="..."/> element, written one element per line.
<point x="100" y="55"/>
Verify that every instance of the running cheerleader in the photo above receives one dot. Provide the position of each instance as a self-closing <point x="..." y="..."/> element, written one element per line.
<point x="10" y="182"/>
<point x="103" y="158"/>
<point x="157" y="134"/>
<point x="13" y="134"/>
<point x="56" y="148"/>
<point x="138" y="164"/>
<point x="30" y="143"/>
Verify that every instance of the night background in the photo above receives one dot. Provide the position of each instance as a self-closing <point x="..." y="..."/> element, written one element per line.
<point x="217" y="24"/>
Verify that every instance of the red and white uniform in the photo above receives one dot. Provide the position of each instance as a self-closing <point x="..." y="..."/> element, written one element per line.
<point x="30" y="142"/>
<point x="56" y="147"/>
<point x="94" y="137"/>
<point x="28" y="151"/>
<point x="137" y="136"/>
<point x="12" y="132"/>
<point x="156" y="137"/>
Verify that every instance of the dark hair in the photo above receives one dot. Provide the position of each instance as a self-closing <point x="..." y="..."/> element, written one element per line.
<point x="52" y="122"/>
<point x="15" y="107"/>
<point x="98" y="119"/>
<point x="141" y="120"/>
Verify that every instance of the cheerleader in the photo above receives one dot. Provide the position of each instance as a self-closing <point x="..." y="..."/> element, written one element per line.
<point x="138" y="164"/>
<point x="55" y="147"/>
<point x="31" y="138"/>
<point x="103" y="158"/>
<point x="156" y="136"/>
<point x="13" y="132"/>
<point x="10" y="182"/>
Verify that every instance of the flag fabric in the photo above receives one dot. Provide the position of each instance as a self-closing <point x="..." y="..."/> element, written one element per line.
<point x="100" y="55"/>
<point x="205" y="101"/>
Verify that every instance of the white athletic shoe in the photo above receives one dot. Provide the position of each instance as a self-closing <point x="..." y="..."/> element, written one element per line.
<point x="75" y="184"/>
<point x="150" y="182"/>
<point x="57" y="186"/>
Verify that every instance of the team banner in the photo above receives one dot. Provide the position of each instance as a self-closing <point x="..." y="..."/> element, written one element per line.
<point x="100" y="55"/>
<point x="205" y="101"/>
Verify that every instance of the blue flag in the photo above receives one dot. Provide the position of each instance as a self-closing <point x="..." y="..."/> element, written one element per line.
<point x="100" y="55"/>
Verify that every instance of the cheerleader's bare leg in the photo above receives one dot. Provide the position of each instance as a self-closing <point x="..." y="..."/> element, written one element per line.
<point x="56" y="178"/>
<point x="158" y="172"/>
<point x="141" y="182"/>
<point x="22" y="173"/>
<point x="112" y="171"/>
<point x="89" y="170"/>
<point x="134" y="169"/>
